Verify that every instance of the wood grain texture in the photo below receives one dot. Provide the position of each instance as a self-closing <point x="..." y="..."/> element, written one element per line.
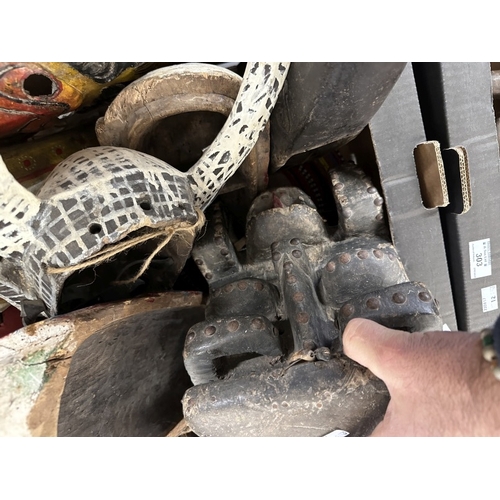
<point x="128" y="379"/>
<point x="35" y="360"/>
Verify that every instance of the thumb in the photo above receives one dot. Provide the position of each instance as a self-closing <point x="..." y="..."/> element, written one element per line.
<point x="378" y="348"/>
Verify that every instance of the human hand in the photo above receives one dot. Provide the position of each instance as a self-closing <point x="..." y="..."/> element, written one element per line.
<point x="439" y="383"/>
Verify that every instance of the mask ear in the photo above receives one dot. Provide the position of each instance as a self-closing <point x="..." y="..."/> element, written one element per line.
<point x="17" y="207"/>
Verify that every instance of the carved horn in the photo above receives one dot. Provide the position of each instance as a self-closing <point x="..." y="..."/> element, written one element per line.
<point x="256" y="98"/>
<point x="17" y="207"/>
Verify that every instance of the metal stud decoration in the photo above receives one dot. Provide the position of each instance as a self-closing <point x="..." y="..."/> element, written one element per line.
<point x="267" y="361"/>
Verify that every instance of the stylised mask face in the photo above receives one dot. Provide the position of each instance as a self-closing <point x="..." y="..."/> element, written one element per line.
<point x="34" y="94"/>
<point x="94" y="198"/>
<point x="30" y="96"/>
<point x="98" y="196"/>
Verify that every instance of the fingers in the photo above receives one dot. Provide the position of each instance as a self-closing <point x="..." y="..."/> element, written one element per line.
<point x="378" y="348"/>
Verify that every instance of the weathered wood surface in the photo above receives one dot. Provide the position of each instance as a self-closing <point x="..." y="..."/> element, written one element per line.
<point x="117" y="385"/>
<point x="175" y="114"/>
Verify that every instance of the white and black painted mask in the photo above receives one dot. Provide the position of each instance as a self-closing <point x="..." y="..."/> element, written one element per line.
<point x="98" y="196"/>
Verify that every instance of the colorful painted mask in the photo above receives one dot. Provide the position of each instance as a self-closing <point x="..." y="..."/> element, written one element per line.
<point x="32" y="95"/>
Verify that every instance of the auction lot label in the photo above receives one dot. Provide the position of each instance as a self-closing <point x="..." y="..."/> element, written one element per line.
<point x="480" y="258"/>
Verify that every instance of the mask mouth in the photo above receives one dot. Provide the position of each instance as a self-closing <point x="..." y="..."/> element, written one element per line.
<point x="127" y="274"/>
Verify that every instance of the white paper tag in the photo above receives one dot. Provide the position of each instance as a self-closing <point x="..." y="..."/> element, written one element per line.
<point x="337" y="434"/>
<point x="446" y="328"/>
<point x="489" y="298"/>
<point x="480" y="258"/>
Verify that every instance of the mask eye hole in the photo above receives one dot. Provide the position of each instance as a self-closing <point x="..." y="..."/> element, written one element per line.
<point x="37" y="85"/>
<point x="145" y="205"/>
<point x="95" y="228"/>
